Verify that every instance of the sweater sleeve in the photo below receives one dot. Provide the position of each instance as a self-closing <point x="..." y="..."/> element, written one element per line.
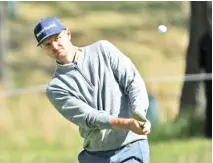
<point x="77" y="111"/>
<point x="128" y="77"/>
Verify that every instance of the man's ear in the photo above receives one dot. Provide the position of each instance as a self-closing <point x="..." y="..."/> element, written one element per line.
<point x="68" y="31"/>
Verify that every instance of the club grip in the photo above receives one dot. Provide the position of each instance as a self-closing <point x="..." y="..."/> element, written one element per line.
<point x="139" y="117"/>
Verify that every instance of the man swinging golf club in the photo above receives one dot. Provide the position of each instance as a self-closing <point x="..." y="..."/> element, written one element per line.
<point x="99" y="89"/>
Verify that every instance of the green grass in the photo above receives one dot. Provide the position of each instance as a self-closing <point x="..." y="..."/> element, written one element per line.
<point x="179" y="151"/>
<point x="175" y="151"/>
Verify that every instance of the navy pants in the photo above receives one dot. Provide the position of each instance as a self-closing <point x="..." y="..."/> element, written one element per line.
<point x="136" y="152"/>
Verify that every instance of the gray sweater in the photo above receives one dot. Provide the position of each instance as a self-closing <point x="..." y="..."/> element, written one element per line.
<point x="100" y="84"/>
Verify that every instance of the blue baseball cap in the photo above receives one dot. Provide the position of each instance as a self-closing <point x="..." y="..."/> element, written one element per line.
<point x="47" y="27"/>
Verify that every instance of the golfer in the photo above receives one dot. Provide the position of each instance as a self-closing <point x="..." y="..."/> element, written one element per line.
<point x="97" y="88"/>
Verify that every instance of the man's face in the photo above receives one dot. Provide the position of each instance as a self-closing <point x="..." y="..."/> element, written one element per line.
<point x="58" y="46"/>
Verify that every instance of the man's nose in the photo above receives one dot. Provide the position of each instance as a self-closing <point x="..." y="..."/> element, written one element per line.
<point x="55" y="45"/>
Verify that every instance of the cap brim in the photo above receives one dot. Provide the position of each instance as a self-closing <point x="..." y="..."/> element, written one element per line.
<point x="46" y="37"/>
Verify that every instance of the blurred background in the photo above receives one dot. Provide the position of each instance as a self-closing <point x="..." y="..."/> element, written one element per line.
<point x="176" y="66"/>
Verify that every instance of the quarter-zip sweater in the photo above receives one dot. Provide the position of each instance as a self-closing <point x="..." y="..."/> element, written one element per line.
<point x="100" y="84"/>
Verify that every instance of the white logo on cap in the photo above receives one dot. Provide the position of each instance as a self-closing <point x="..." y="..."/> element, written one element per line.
<point x="45" y="28"/>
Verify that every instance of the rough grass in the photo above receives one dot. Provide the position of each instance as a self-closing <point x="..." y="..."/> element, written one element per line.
<point x="175" y="151"/>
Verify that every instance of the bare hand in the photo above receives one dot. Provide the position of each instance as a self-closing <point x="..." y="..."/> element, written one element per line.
<point x="140" y="128"/>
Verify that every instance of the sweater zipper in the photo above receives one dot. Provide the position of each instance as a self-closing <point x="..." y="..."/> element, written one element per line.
<point x="76" y="66"/>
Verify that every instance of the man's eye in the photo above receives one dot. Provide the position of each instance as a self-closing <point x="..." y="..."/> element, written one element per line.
<point x="59" y="37"/>
<point x="47" y="44"/>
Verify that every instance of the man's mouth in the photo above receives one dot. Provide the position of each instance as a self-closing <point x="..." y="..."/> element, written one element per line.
<point x="58" y="52"/>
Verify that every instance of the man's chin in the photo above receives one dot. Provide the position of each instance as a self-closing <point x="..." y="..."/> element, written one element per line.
<point x="60" y="57"/>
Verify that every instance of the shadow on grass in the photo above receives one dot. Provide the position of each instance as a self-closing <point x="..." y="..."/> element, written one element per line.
<point x="129" y="7"/>
<point x="164" y="12"/>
